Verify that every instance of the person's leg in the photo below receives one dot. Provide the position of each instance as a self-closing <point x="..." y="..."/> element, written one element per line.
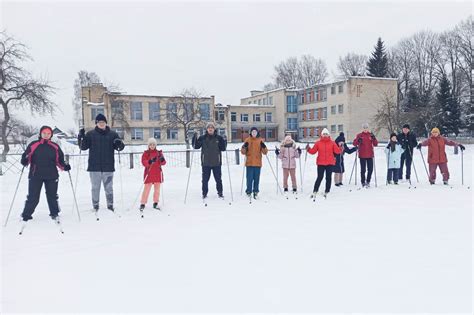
<point x="96" y="178"/>
<point x="363" y="165"/>
<point x="146" y="193"/>
<point x="51" y="189"/>
<point x="156" y="192"/>
<point x="402" y="161"/>
<point x="249" y="174"/>
<point x="389" y="175"/>
<point x="328" y="178"/>
<point x="206" y="174"/>
<point x="370" y="169"/>
<point x="294" y="184"/>
<point x="395" y="175"/>
<point x="32" y="199"/>
<point x="432" y="167"/>
<point x="286" y="173"/>
<point x="443" y="167"/>
<point x="319" y="178"/>
<point x="409" y="160"/>
<point x="256" y="179"/>
<point x="108" y="180"/>
<point x="217" y="172"/>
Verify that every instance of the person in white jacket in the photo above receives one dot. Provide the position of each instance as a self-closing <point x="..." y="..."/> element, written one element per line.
<point x="394" y="153"/>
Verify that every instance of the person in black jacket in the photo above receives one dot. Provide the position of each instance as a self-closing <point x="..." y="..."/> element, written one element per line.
<point x="101" y="143"/>
<point x="44" y="157"/>
<point x="338" y="169"/>
<point x="408" y="141"/>
<point x="211" y="145"/>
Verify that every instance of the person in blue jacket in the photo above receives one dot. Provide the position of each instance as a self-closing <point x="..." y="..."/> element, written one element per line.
<point x="394" y="153"/>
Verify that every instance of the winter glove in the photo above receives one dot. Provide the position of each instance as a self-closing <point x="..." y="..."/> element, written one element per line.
<point x="119" y="145"/>
<point x="151" y="161"/>
<point x="299" y="150"/>
<point x="162" y="159"/>
<point x="193" y="141"/>
<point x="418" y="146"/>
<point x="246" y="145"/>
<point x="359" y="141"/>
<point x="372" y="136"/>
<point x="277" y="152"/>
<point x="307" y="146"/>
<point x="461" y="147"/>
<point x="262" y="145"/>
<point x="81" y="135"/>
<point x="24" y="161"/>
<point x="67" y="167"/>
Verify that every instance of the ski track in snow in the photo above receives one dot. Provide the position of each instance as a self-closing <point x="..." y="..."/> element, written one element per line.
<point x="384" y="249"/>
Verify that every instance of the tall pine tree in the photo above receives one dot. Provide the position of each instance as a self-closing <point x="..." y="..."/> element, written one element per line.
<point x="377" y="64"/>
<point x="449" y="108"/>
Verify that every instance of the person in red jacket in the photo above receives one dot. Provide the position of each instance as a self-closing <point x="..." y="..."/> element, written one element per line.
<point x="152" y="160"/>
<point x="366" y="141"/>
<point x="437" y="154"/>
<point x="326" y="148"/>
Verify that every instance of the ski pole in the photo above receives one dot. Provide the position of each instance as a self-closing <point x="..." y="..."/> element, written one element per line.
<point x="352" y="172"/>
<point x="388" y="166"/>
<point x="271" y="167"/>
<point x="189" y="176"/>
<point x="424" y="164"/>
<point x="74" y="194"/>
<point x="243" y="175"/>
<point x="462" y="168"/>
<point x="14" y="195"/>
<point x="230" y="180"/>
<point x="276" y="163"/>
<point x="301" y="174"/>
<point x="413" y="163"/>
<point x="121" y="182"/>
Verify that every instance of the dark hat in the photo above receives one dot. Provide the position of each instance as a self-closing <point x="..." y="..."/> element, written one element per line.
<point x="100" y="117"/>
<point x="393" y="134"/>
<point x="406" y="126"/>
<point x="256" y="129"/>
<point x="340" y="138"/>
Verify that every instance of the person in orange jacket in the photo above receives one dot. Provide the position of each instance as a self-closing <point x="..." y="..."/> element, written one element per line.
<point x="326" y="148"/>
<point x="253" y="148"/>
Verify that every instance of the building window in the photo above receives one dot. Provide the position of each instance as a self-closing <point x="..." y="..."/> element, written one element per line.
<point x="256" y="117"/>
<point x="244" y="117"/>
<point x="324" y="94"/>
<point x="333" y="110"/>
<point x="325" y="113"/>
<point x="172" y="134"/>
<point x="221" y="132"/>
<point x="233" y="116"/>
<point x="333" y="90"/>
<point x="265" y="101"/>
<point x="205" y="111"/>
<point x="120" y="132"/>
<point x="300" y="133"/>
<point x="268" y="117"/>
<point x="333" y="128"/>
<point x="96" y="111"/>
<point x="137" y="133"/>
<point x="259" y="102"/>
<point x="154" y="111"/>
<point x="291" y="104"/>
<point x="340" y="128"/>
<point x="250" y="102"/>
<point x="136" y="110"/>
<point x="255" y="101"/>
<point x="292" y="123"/>
<point x="171" y="111"/>
<point x="235" y="133"/>
<point x="269" y="133"/>
<point x="188" y="111"/>
<point x="219" y="115"/>
<point x="340" y="88"/>
<point x="270" y="100"/>
<point x="340" y="108"/>
<point x="156" y="133"/>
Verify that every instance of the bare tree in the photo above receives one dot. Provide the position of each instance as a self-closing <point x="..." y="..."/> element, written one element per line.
<point x="185" y="112"/>
<point x="287" y="73"/>
<point x="312" y="71"/>
<point x="387" y="115"/>
<point x="352" y="65"/>
<point x="18" y="88"/>
<point x="85" y="78"/>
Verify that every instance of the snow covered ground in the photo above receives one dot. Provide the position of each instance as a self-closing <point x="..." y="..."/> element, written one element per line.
<point x="386" y="249"/>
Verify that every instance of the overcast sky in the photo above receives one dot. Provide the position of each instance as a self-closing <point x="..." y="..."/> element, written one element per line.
<point x="224" y="49"/>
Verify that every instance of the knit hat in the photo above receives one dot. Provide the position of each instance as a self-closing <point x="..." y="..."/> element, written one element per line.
<point x="100" y="117"/>
<point x="365" y="126"/>
<point x="325" y="132"/>
<point x="406" y="126"/>
<point x="46" y="127"/>
<point x="152" y="141"/>
<point x="393" y="134"/>
<point x="435" y="130"/>
<point x="340" y="138"/>
<point x="210" y="124"/>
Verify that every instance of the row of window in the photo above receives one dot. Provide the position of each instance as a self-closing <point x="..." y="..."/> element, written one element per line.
<point x="316" y="131"/>
<point x="268" y="100"/>
<point x="267" y="133"/>
<point x="154" y="110"/>
<point x="320" y="113"/>
<point x="318" y="94"/>
<point x="337" y="109"/>
<point x="171" y="133"/>
<point x="256" y="117"/>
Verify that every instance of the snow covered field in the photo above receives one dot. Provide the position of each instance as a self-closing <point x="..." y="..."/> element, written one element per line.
<point x="386" y="249"/>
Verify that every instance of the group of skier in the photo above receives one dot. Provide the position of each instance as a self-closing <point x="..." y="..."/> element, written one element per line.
<point x="44" y="157"/>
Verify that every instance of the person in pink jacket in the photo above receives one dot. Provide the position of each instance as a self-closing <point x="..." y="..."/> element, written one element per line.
<point x="288" y="153"/>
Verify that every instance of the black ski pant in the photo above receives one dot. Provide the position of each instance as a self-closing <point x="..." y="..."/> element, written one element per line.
<point x="366" y="165"/>
<point x="406" y="158"/>
<point x="34" y="190"/>
<point x="321" y="170"/>
<point x="206" y="175"/>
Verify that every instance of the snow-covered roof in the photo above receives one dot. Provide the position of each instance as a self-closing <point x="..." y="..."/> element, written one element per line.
<point x="95" y="104"/>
